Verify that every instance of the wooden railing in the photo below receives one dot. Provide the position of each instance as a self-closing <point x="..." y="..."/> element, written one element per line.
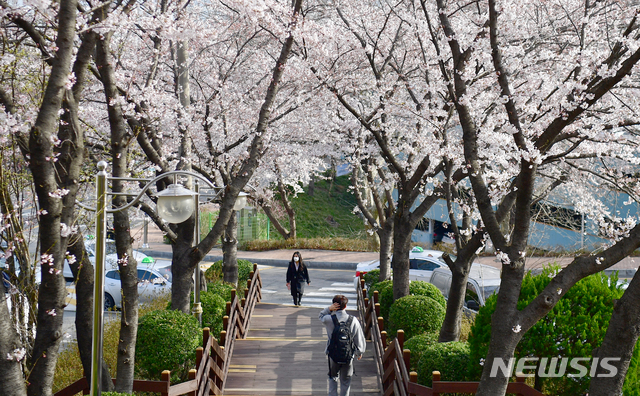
<point x="212" y="359"/>
<point x="393" y="361"/>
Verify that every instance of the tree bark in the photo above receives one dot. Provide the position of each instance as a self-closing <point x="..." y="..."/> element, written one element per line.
<point x="12" y="382"/>
<point x="450" y="330"/>
<point x="266" y="208"/>
<point x="126" y="263"/>
<point x="619" y="342"/>
<point x="52" y="291"/>
<point x="230" y="251"/>
<point x="386" y="248"/>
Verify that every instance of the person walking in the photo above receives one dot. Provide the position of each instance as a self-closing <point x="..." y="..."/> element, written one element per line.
<point x="346" y="341"/>
<point x="297" y="276"/>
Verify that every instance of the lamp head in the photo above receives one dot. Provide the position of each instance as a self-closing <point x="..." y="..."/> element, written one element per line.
<point x="175" y="203"/>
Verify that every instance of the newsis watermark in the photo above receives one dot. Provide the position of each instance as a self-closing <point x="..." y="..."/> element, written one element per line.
<point x="576" y="367"/>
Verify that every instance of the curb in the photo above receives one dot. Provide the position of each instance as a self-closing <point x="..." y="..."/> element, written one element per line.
<point x="269" y="262"/>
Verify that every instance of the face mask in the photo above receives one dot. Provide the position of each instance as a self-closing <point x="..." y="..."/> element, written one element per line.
<point x="295" y="259"/>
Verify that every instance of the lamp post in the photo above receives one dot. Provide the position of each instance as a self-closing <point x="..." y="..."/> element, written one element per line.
<point x="175" y="205"/>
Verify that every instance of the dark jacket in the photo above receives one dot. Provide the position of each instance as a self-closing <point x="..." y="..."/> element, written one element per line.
<point x="299" y="276"/>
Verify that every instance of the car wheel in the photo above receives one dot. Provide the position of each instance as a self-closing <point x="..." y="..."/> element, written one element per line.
<point x="109" y="303"/>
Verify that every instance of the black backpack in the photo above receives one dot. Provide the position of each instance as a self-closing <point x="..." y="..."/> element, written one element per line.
<point x="341" y="345"/>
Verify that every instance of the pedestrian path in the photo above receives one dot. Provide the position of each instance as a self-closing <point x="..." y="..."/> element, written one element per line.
<point x="283" y="354"/>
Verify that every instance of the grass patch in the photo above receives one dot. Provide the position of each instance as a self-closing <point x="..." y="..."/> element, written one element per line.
<point x="328" y="213"/>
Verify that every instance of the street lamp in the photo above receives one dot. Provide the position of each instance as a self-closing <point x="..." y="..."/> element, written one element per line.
<point x="175" y="205"/>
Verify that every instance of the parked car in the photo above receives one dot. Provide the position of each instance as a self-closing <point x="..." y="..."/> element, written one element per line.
<point x="111" y="258"/>
<point x="151" y="283"/>
<point x="484" y="280"/>
<point x="421" y="264"/>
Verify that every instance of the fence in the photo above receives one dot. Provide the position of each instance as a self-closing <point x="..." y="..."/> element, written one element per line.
<point x="212" y="359"/>
<point x="252" y="224"/>
<point x="392" y="360"/>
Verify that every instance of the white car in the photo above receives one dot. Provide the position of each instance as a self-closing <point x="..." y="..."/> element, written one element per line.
<point x="111" y="258"/>
<point x="421" y="264"/>
<point x="484" y="280"/>
<point x="151" y="284"/>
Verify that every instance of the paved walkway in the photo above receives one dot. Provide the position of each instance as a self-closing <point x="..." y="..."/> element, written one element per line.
<point x="284" y="355"/>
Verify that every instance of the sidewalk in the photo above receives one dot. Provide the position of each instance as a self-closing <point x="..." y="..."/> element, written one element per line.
<point x="332" y="259"/>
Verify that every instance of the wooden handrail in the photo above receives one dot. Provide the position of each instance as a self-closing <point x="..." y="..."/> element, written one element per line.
<point x="212" y="359"/>
<point x="393" y="361"/>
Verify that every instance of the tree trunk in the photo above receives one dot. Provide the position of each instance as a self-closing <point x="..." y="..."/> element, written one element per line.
<point x="276" y="223"/>
<point x="12" y="382"/>
<point x="450" y="330"/>
<point x="183" y="265"/>
<point x="386" y="249"/>
<point x="52" y="290"/>
<point x="83" y="273"/>
<point x="506" y="331"/>
<point x="312" y="186"/>
<point x="400" y="260"/>
<point x="230" y="251"/>
<point x="619" y="342"/>
<point x="126" y="263"/>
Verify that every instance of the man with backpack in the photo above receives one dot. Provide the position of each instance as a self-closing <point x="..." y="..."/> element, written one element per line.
<point x="346" y="341"/>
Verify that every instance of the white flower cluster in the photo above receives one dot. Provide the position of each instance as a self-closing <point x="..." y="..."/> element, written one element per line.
<point x="503" y="257"/>
<point x="59" y="193"/>
<point x="18" y="354"/>
<point x="66" y="231"/>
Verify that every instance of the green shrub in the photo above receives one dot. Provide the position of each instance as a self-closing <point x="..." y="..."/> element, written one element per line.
<point x="115" y="394"/>
<point x="167" y="340"/>
<point x="417" y="345"/>
<point x="632" y="380"/>
<point x="415" y="315"/>
<point x="422" y="288"/>
<point x="222" y="289"/>
<point x="371" y="278"/>
<point x="451" y="359"/>
<point x="213" y="309"/>
<point x="573" y="328"/>
<point x="416" y="288"/>
<point x="214" y="272"/>
<point x="385" y="296"/>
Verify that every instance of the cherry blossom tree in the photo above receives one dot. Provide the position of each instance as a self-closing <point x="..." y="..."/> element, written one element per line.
<point x="545" y="102"/>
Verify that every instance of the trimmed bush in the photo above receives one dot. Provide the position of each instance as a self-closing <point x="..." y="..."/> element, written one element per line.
<point x="222" y="289"/>
<point x="417" y="345"/>
<point x="416" y="288"/>
<point x="574" y="327"/>
<point x="214" y="272"/>
<point x="167" y="340"/>
<point x="385" y="296"/>
<point x="451" y="359"/>
<point x="213" y="309"/>
<point x="422" y="288"/>
<point x="415" y="315"/>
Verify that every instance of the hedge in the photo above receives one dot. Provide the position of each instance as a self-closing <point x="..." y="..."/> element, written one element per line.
<point x="167" y="340"/>
<point x="415" y="315"/>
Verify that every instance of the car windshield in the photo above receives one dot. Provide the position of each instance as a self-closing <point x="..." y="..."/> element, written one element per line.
<point x="453" y="258"/>
<point x="487" y="291"/>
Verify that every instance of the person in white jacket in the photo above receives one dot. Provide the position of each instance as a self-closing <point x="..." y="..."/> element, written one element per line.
<point x="344" y="371"/>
